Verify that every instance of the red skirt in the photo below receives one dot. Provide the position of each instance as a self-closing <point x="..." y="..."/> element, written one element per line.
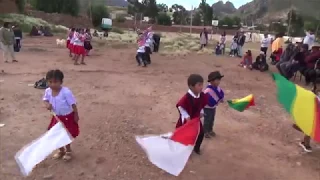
<point x="70" y="47"/>
<point x="69" y="123"/>
<point x="79" y="50"/>
<point x="68" y="43"/>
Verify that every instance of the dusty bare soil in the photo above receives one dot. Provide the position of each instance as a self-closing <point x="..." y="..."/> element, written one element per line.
<point x="118" y="100"/>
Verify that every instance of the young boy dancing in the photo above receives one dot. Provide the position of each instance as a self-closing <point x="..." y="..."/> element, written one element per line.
<point x="215" y="96"/>
<point x="191" y="106"/>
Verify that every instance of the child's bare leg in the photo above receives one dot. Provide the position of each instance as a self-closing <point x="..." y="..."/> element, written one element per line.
<point x="76" y="60"/>
<point x="305" y="144"/>
<point x="82" y="60"/>
<point x="306" y="140"/>
<point x="67" y="155"/>
<point x="60" y="153"/>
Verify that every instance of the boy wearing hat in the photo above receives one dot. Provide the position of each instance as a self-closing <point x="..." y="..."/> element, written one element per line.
<point x="191" y="106"/>
<point x="215" y="96"/>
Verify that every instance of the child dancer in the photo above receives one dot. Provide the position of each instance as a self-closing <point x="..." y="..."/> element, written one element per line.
<point x="148" y="45"/>
<point x="215" y="96"/>
<point x="69" y="44"/>
<point x="79" y="47"/>
<point x="191" y="106"/>
<point x="73" y="38"/>
<point x="87" y="42"/>
<point x="61" y="101"/>
<point x="141" y="52"/>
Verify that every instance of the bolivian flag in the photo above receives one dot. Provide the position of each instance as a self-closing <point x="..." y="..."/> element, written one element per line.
<point x="302" y="104"/>
<point x="241" y="104"/>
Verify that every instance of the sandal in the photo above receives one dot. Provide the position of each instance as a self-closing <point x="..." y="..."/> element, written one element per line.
<point x="76" y="63"/>
<point x="67" y="156"/>
<point x="59" y="155"/>
<point x="83" y="63"/>
<point x="15" y="61"/>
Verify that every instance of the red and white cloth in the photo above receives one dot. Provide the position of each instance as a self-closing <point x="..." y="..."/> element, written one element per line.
<point x="171" y="152"/>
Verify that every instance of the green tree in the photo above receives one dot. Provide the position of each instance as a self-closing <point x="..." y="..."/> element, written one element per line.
<point x="296" y="24"/>
<point x="150" y="8"/>
<point x="98" y="12"/>
<point x="206" y="12"/>
<point x="179" y="14"/>
<point x="196" y="21"/>
<point x="162" y="7"/>
<point x="236" y="21"/>
<point x="164" y="19"/>
<point x="71" y="7"/>
<point x="21" y="5"/>
<point x="226" y="21"/>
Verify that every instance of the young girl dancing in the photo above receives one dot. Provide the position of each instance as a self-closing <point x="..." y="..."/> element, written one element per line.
<point x="70" y="35"/>
<point x="79" y="47"/>
<point x="61" y="101"/>
<point x="87" y="42"/>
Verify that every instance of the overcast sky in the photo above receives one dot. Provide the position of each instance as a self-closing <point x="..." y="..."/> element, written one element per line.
<point x="189" y="3"/>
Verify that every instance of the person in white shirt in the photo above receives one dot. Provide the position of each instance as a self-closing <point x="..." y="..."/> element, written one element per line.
<point x="141" y="52"/>
<point x="265" y="42"/>
<point x="309" y="39"/>
<point x="148" y="46"/>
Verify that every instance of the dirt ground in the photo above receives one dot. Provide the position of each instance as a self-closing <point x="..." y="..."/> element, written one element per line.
<point x="118" y="100"/>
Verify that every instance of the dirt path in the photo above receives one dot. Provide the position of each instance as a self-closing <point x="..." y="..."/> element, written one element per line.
<point x="118" y="100"/>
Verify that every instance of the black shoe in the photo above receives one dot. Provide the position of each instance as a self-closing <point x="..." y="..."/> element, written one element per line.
<point x="197" y="151"/>
<point x="212" y="134"/>
<point x="307" y="149"/>
<point x="207" y="135"/>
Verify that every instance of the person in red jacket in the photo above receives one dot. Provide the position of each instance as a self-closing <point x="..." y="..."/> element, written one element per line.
<point x="191" y="106"/>
<point x="310" y="62"/>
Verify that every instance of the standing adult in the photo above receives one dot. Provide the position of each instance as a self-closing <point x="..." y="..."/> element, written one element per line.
<point x="204" y="38"/>
<point x="223" y="42"/>
<point x="265" y="42"/>
<point x="240" y="42"/>
<point x="277" y="48"/>
<point x="18" y="37"/>
<point x="309" y="39"/>
<point x="7" y="42"/>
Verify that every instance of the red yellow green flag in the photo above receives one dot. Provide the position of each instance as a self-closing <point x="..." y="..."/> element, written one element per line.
<point x="241" y="104"/>
<point x="302" y="104"/>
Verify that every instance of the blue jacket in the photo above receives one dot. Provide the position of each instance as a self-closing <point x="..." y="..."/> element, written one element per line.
<point x="215" y="95"/>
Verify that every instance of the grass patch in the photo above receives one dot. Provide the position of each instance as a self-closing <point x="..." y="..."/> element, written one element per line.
<point x="26" y="23"/>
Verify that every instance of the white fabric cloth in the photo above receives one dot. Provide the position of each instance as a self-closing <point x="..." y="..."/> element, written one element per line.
<point x="309" y="39"/>
<point x="183" y="112"/>
<point x="62" y="103"/>
<point x="78" y="41"/>
<point x="265" y="42"/>
<point x="32" y="154"/>
<point x="234" y="46"/>
<point x="141" y="49"/>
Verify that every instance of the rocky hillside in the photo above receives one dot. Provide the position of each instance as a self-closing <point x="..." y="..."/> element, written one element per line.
<point x="220" y="8"/>
<point x="267" y="10"/>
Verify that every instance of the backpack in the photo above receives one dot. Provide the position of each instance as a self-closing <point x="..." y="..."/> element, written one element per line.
<point x="41" y="84"/>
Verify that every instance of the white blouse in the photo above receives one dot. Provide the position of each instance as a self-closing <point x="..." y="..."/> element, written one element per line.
<point x="62" y="103"/>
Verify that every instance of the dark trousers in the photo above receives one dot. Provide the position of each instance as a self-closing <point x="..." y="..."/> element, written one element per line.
<point x="156" y="44"/>
<point x="199" y="139"/>
<point x="264" y="50"/>
<point x="147" y="55"/>
<point x="209" y="115"/>
<point x="140" y="57"/>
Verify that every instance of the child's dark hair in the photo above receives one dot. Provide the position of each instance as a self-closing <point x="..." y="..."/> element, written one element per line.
<point x="55" y="74"/>
<point x="249" y="53"/>
<point x="193" y="79"/>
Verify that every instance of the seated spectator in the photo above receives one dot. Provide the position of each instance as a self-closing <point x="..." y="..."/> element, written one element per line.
<point x="287" y="55"/>
<point x="297" y="62"/>
<point x="47" y="32"/>
<point x="309" y="71"/>
<point x="261" y="62"/>
<point x="218" y="49"/>
<point x="95" y="33"/>
<point x="34" y="31"/>
<point x="247" y="60"/>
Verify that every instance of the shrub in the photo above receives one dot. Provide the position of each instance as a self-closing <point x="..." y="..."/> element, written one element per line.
<point x="120" y="18"/>
<point x="117" y="30"/>
<point x="98" y="12"/>
<point x="164" y="19"/>
<point x="71" y="7"/>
